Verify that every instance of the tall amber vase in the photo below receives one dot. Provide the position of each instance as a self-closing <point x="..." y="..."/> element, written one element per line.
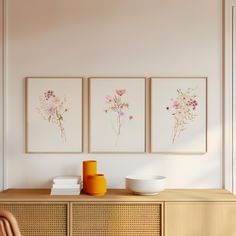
<point x="89" y="168"/>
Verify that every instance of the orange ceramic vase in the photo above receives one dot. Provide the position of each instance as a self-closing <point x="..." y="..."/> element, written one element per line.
<point x="96" y="185"/>
<point x="89" y="168"/>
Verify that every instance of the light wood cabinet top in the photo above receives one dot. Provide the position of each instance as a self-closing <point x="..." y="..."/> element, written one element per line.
<point x="116" y="195"/>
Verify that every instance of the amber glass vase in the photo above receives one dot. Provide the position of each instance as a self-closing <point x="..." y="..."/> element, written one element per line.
<point x="89" y="168"/>
<point x="96" y="185"/>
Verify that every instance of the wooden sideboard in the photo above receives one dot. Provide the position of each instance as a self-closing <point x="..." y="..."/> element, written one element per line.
<point x="171" y="213"/>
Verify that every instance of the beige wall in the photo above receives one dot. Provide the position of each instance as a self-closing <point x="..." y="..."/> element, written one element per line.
<point x="113" y="38"/>
<point x="1" y="95"/>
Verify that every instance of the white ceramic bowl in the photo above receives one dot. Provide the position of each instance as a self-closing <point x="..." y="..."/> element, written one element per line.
<point x="145" y="184"/>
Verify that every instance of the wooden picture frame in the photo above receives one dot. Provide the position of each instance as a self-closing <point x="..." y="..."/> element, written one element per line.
<point x="54" y="115"/>
<point x="117" y="114"/>
<point x="179" y="113"/>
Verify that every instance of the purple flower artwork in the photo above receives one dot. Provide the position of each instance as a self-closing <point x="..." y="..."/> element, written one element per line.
<point x="117" y="108"/>
<point x="184" y="110"/>
<point x="52" y="108"/>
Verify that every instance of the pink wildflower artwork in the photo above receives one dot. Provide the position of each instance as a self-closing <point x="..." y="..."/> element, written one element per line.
<point x="118" y="110"/>
<point x="184" y="110"/>
<point x="120" y="92"/>
<point x="52" y="109"/>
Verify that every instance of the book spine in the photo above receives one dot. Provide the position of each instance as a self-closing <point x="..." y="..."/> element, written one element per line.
<point x="66" y="181"/>
<point x="66" y="186"/>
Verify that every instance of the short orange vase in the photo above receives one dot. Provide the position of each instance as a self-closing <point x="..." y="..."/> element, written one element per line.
<point x="89" y="168"/>
<point x="96" y="185"/>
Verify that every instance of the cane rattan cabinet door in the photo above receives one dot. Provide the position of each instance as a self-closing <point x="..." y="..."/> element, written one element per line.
<point x="116" y="218"/>
<point x="39" y="219"/>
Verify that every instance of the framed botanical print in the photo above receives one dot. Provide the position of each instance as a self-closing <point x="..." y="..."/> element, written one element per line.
<point x="179" y="115"/>
<point x="117" y="109"/>
<point x="54" y="111"/>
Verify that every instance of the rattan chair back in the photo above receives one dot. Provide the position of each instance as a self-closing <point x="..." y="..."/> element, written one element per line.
<point x="8" y="224"/>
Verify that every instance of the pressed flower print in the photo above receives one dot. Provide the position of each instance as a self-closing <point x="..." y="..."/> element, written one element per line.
<point x="117" y="109"/>
<point x="117" y="114"/>
<point x="179" y="115"/>
<point x="184" y="110"/>
<point x="52" y="108"/>
<point x="54" y="111"/>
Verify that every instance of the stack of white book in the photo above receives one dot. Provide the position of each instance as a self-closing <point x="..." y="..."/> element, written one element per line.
<point x="66" y="185"/>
